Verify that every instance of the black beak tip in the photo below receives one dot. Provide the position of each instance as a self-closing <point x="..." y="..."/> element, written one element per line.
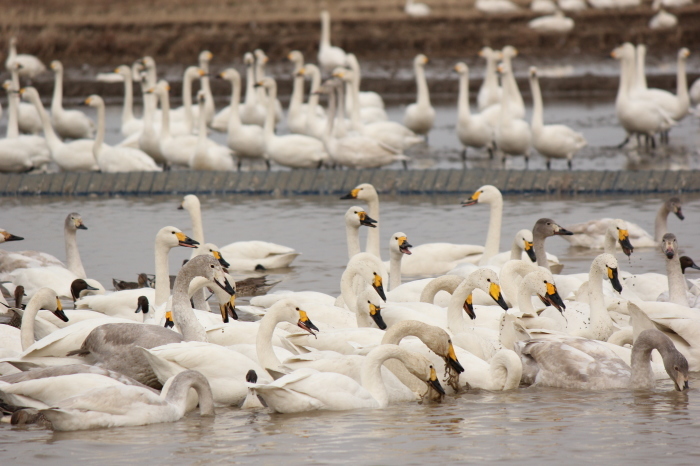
<point x="14" y="238"/>
<point x="454" y="364"/>
<point x="61" y="315"/>
<point x="502" y="302"/>
<point x="180" y="207"/>
<point x="347" y="196"/>
<point x="81" y="227"/>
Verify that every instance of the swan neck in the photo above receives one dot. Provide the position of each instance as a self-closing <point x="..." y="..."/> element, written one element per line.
<point x="640" y="362"/>
<point x="609" y="243"/>
<point x="197" y="226"/>
<point x="263" y="340"/>
<point x="537" y="117"/>
<point x="505" y="374"/>
<point x="57" y="101"/>
<point x="373" y="237"/>
<point x="525" y="299"/>
<point x="187" y="101"/>
<point x="422" y="85"/>
<point x="395" y="269"/>
<point x="183" y="315"/>
<point x="600" y="321"/>
<point x="49" y="134"/>
<point x="455" y="317"/>
<point x="640" y="78"/>
<point x="313" y="97"/>
<point x="493" y="236"/>
<point x="297" y="95"/>
<point x="177" y="393"/>
<point x="538" y="246"/>
<point x="682" y="83"/>
<point x="371" y="372"/>
<point x="353" y="238"/>
<point x="661" y="223"/>
<point x="13" y="118"/>
<point x="325" y="30"/>
<point x="162" y="274"/>
<point x="447" y="283"/>
<point x="165" y="115"/>
<point x="28" y="319"/>
<point x="355" y="117"/>
<point x="100" y="136"/>
<point x="403" y="329"/>
<point x="491" y="80"/>
<point x="234" y="118"/>
<point x="463" y="97"/>
<point x="349" y="294"/>
<point x="677" y="288"/>
<point x="270" y="116"/>
<point x="73" y="262"/>
<point x="128" y="110"/>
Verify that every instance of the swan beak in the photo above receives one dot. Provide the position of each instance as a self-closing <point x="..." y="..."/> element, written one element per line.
<point x="679" y="214"/>
<point x="143" y="305"/>
<point x="481" y="53"/>
<point x="404" y="245"/>
<point x="469" y="307"/>
<point x="553" y="298"/>
<point x="495" y="293"/>
<point x="169" y="320"/>
<point x="377" y="285"/>
<point x="376" y="315"/>
<point x="530" y="250"/>
<point x="558" y="230"/>
<point x="221" y="259"/>
<point x="59" y="311"/>
<point x="305" y="323"/>
<point x="366" y="220"/>
<point x="681" y="382"/>
<point x="259" y="84"/>
<point x="452" y="361"/>
<point x="11" y="237"/>
<point x="185" y="241"/>
<point x="352" y="194"/>
<point x="80" y="225"/>
<point x="228" y="309"/>
<point x="226" y="286"/>
<point x="180" y="207"/>
<point x="624" y="238"/>
<point x="472" y="200"/>
<point x="434" y="383"/>
<point x="614" y="280"/>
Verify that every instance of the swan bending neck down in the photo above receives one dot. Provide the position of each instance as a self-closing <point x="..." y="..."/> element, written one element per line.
<point x="363" y="270"/>
<point x="45" y="298"/>
<point x="307" y="389"/>
<point x="570" y="362"/>
<point x="128" y="405"/>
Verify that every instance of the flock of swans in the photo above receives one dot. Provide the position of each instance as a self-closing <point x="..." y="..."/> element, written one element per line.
<point x="353" y="131"/>
<point x="488" y="320"/>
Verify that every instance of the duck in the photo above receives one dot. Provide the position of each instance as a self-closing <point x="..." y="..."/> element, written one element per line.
<point x="127" y="405"/>
<point x="72" y="156"/>
<point x="69" y="124"/>
<point x="291" y="150"/>
<point x="329" y="56"/>
<point x="116" y="159"/>
<point x="490" y="92"/>
<point x="307" y="389"/>
<point x="552" y="141"/>
<point x="419" y="117"/>
<point x="472" y="130"/>
<point x="207" y="154"/>
<point x="30" y="65"/>
<point x="579" y="363"/>
<point x="591" y="234"/>
<point x="242" y="255"/>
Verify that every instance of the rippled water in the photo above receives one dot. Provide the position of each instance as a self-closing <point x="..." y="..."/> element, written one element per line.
<point x="530" y="426"/>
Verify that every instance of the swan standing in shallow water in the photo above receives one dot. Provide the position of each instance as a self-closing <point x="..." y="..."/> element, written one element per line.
<point x="209" y="155"/>
<point x="512" y="135"/>
<point x="552" y="141"/>
<point x="490" y="92"/>
<point x="72" y="124"/>
<point x="570" y="362"/>
<point x="472" y="130"/>
<point x="420" y="116"/>
<point x="128" y="405"/>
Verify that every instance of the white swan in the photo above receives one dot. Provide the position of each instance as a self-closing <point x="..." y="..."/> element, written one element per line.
<point x="30" y="66"/>
<point x="116" y="159"/>
<point x="591" y="234"/>
<point x="416" y="10"/>
<point x="355" y="217"/>
<point x="420" y="116"/>
<point x="71" y="124"/>
<point x="663" y="20"/>
<point x="398" y="247"/>
<point x="569" y="362"/>
<point x="543" y="6"/>
<point x="307" y="389"/>
<point x="209" y="155"/>
<point x="247" y="141"/>
<point x="366" y="192"/>
<point x="72" y="156"/>
<point x="678" y="105"/>
<point x="552" y="141"/>
<point x="205" y="56"/>
<point x="292" y="150"/>
<point x="149" y="138"/>
<point x="555" y="23"/>
<point x="329" y="57"/>
<point x="372" y="104"/>
<point x="29" y="120"/>
<point x="130" y="124"/>
<point x="472" y="130"/>
<point x="496" y="6"/>
<point x="490" y="92"/>
<point x="512" y="135"/>
<point x="128" y="405"/>
<point x="263" y="97"/>
<point x="252" y="111"/>
<point x="19" y="339"/>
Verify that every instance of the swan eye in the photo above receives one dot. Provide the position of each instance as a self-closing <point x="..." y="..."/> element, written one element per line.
<point x="545" y="281"/>
<point x="297" y="309"/>
<point x="212" y="266"/>
<point x="488" y="280"/>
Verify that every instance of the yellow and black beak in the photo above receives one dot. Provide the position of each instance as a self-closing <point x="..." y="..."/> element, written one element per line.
<point x="169" y="323"/>
<point x="530" y="250"/>
<point x="624" y="239"/>
<point x="366" y="220"/>
<point x="378" y="287"/>
<point x="59" y="311"/>
<point x="404" y="245"/>
<point x="614" y="280"/>
<point x="434" y="383"/>
<point x="375" y="314"/>
<point x="226" y="286"/>
<point x="11" y="237"/>
<point x="143" y="305"/>
<point x="472" y="200"/>
<point x="679" y="213"/>
<point x="495" y="293"/>
<point x="352" y="194"/>
<point x="552" y="298"/>
<point x="561" y="231"/>
<point x="228" y="309"/>
<point x="185" y="241"/>
<point x="221" y="259"/>
<point x="451" y="359"/>
<point x="305" y="323"/>
<point x="469" y="307"/>
<point x="80" y="225"/>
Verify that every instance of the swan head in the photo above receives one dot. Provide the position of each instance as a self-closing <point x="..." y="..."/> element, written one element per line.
<point x="509" y="51"/>
<point x="352" y="62"/>
<point x="344" y="74"/>
<point x="420" y="366"/>
<point x="688" y="263"/>
<point x="75" y="222"/>
<point x="210" y="248"/>
<point x="541" y="283"/>
<point x="56" y="66"/>
<point x="79" y="288"/>
<point x="29" y="93"/>
<point x="608" y="264"/>
<point x="675" y="363"/>
<point x="173" y="237"/>
<point x="674" y="205"/>
<point x="296" y="57"/>
<point x="370" y="302"/>
<point x="260" y="56"/>
<point x="142" y="305"/>
<point x="363" y="192"/>
<point x="368" y="267"/>
<point x="248" y="59"/>
<point x="94" y="101"/>
<point x="357" y="217"/>
<point x="48" y="300"/>
<point x="487" y="281"/>
<point x="533" y="72"/>
<point x="485" y="194"/>
<point x="288" y="311"/>
<point x="189" y="203"/>
<point x="228" y="309"/>
<point x="683" y="53"/>
<point x="399" y="244"/>
<point x="461" y="68"/>
<point x="7" y="85"/>
<point x="123" y="70"/>
<point x="547" y="227"/>
<point x="194" y="72"/>
<point x="205" y="56"/>
<point x="420" y="60"/>
<point x="669" y="245"/>
<point x="485" y="52"/>
<point x="148" y="62"/>
<point x="209" y="267"/>
<point x="230" y="74"/>
<point x="200" y="97"/>
<point x="267" y="82"/>
<point x="7" y="236"/>
<point x="618" y="230"/>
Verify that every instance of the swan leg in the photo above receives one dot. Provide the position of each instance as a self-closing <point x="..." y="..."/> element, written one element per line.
<point x="464" y="156"/>
<point x="549" y="164"/>
<point x="627" y="139"/>
<point x="267" y="163"/>
<point x="405" y="164"/>
<point x="653" y="141"/>
<point x="568" y="162"/>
